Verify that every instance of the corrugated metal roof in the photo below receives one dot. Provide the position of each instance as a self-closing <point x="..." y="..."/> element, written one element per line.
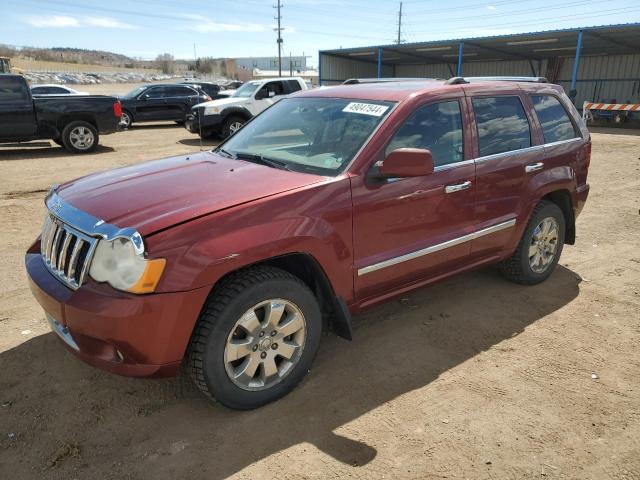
<point x="597" y="40"/>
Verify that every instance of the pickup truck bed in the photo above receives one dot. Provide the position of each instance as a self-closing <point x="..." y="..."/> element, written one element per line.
<point x="75" y="122"/>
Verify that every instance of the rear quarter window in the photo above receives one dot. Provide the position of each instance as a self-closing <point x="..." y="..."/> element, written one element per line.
<point x="554" y="119"/>
<point x="502" y="124"/>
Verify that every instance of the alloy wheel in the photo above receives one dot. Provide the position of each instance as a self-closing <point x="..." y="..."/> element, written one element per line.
<point x="265" y="344"/>
<point x="544" y="245"/>
<point x="81" y="138"/>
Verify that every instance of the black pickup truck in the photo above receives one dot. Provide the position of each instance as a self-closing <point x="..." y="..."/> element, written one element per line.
<point x="74" y="122"/>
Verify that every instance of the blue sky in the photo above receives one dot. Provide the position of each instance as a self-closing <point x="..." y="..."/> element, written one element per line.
<point x="233" y="28"/>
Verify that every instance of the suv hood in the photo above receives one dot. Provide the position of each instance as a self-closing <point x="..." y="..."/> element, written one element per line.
<point x="221" y="102"/>
<point x="155" y="195"/>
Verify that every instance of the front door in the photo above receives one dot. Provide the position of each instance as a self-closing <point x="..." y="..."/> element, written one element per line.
<point x="152" y="104"/>
<point x="410" y="229"/>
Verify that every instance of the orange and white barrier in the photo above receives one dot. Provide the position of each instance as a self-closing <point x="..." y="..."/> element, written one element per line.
<point x="588" y="106"/>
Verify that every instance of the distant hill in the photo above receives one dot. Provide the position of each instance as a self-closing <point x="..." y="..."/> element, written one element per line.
<point x="75" y="55"/>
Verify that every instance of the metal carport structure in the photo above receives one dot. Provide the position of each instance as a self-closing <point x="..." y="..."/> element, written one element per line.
<point x="592" y="63"/>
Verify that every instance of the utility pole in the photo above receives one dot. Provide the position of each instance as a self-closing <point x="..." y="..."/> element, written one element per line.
<point x="400" y="24"/>
<point x="290" y="65"/>
<point x="279" y="30"/>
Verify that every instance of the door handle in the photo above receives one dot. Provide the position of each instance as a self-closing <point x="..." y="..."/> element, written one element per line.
<point x="458" y="187"/>
<point x="533" y="167"/>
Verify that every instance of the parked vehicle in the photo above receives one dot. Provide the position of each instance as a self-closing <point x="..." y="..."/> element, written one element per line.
<point x="52" y="89"/>
<point x="155" y="102"/>
<point x="75" y="122"/>
<point x="5" y="65"/>
<point x="329" y="202"/>
<point x="211" y="89"/>
<point x="226" y="116"/>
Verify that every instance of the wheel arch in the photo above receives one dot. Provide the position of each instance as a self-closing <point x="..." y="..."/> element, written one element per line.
<point x="562" y="198"/>
<point x="65" y="120"/>
<point x="335" y="313"/>
<point x="236" y="111"/>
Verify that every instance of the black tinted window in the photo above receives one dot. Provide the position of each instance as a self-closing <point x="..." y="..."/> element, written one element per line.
<point x="275" y="87"/>
<point x="179" y="91"/>
<point x="502" y="125"/>
<point x="210" y="90"/>
<point x="12" y="89"/>
<point x="554" y="119"/>
<point x="293" y="85"/>
<point x="436" y="127"/>
<point x="155" y="92"/>
<point x="40" y="90"/>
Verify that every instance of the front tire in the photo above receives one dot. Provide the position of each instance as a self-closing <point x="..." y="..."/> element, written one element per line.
<point x="80" y="137"/>
<point x="126" y="119"/>
<point x="256" y="338"/>
<point x="231" y="125"/>
<point x="540" y="247"/>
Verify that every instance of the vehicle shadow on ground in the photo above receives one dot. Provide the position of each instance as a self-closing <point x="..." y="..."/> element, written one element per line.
<point x="165" y="428"/>
<point x="28" y="152"/>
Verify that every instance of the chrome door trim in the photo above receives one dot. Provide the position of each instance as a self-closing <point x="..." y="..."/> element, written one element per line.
<point x="561" y="142"/>
<point x="436" y="248"/>
<point x="510" y="153"/>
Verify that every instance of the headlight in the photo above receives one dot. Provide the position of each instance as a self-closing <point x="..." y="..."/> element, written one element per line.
<point x="211" y="110"/>
<point x="117" y="263"/>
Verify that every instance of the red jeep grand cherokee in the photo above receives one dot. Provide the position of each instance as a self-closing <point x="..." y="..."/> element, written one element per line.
<point x="330" y="201"/>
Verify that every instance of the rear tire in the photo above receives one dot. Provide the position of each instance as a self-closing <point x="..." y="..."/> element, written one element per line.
<point x="540" y="247"/>
<point x="80" y="137"/>
<point x="256" y="338"/>
<point x="231" y="125"/>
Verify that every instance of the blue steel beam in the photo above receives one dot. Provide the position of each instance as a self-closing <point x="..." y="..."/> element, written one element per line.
<point x="576" y="62"/>
<point x="460" y="50"/>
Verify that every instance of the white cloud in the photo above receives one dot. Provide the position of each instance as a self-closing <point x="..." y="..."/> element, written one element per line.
<point x="203" y="24"/>
<point x="108" y="22"/>
<point x="67" y="21"/>
<point x="55" y="21"/>
<point x="491" y="7"/>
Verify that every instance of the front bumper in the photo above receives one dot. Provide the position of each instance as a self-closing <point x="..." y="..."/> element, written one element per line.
<point x="198" y="122"/>
<point x="126" y="334"/>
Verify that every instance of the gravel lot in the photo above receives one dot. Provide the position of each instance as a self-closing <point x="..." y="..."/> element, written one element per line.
<point x="474" y="377"/>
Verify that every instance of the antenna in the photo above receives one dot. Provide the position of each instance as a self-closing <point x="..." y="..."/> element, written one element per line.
<point x="400" y="24"/>
<point x="279" y="30"/>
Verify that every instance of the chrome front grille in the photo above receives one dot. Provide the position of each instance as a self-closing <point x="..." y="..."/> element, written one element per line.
<point x="66" y="251"/>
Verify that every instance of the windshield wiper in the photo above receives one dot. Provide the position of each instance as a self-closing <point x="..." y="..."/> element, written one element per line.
<point x="224" y="153"/>
<point x="261" y="159"/>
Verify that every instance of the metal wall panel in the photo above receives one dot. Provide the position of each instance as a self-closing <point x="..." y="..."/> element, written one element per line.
<point x="336" y="70"/>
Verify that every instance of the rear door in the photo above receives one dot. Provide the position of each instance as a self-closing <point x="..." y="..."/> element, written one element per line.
<point x="409" y="229"/>
<point x="505" y="146"/>
<point x="151" y="104"/>
<point x="17" y="115"/>
<point x="179" y="99"/>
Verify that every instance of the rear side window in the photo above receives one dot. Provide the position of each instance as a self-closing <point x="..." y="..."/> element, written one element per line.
<point x="555" y="122"/>
<point x="502" y="124"/>
<point x="179" y="92"/>
<point x="293" y="85"/>
<point x="436" y="127"/>
<point x="13" y="89"/>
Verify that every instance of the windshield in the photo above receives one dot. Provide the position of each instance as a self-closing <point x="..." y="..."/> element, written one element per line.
<point x="246" y="90"/>
<point x="135" y="92"/>
<point x="315" y="135"/>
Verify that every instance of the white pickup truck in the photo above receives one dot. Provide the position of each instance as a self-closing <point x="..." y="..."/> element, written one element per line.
<point x="226" y="116"/>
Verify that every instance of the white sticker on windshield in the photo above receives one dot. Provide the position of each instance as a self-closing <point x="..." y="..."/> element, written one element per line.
<point x="366" y="109"/>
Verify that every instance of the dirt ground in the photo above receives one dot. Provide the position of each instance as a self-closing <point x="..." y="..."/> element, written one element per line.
<point x="474" y="377"/>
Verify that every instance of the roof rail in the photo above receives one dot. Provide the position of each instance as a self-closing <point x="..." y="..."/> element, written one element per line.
<point x="354" y="81"/>
<point x="459" y="80"/>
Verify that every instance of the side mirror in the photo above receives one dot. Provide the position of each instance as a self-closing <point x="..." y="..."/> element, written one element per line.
<point x="145" y="97"/>
<point x="407" y="162"/>
<point x="272" y="94"/>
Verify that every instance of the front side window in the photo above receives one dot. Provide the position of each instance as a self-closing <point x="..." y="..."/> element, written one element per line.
<point x="246" y="90"/>
<point x="436" y="127"/>
<point x="555" y="122"/>
<point x="275" y="87"/>
<point x="155" y="92"/>
<point x="502" y="124"/>
<point x="314" y="135"/>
